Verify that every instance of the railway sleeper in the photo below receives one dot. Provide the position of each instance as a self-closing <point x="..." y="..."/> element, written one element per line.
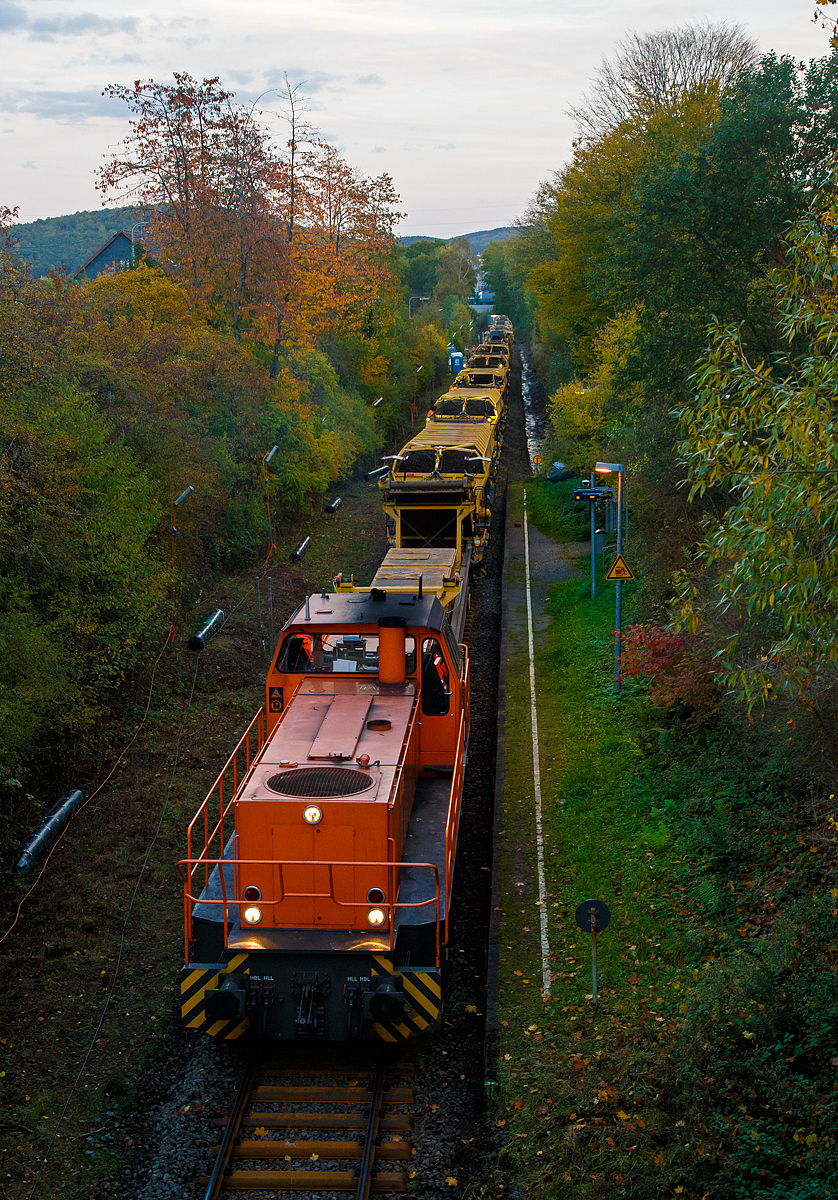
<point x="392" y="1123"/>
<point x="329" y="1095"/>
<point x="310" y="1181"/>
<point x="263" y="1149"/>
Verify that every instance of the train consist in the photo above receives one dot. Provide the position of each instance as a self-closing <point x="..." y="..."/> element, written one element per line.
<point x="318" y="873"/>
<point x="439" y="489"/>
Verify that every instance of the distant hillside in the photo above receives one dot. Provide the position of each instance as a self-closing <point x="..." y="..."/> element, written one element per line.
<point x="478" y="241"/>
<point x="70" y="241"/>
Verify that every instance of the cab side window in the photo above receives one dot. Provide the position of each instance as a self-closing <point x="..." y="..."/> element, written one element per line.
<point x="296" y="655"/>
<point x="436" y="685"/>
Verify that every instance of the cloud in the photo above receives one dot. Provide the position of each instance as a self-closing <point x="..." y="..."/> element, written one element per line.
<point x="375" y="80"/>
<point x="308" y="82"/>
<point x="29" y="166"/>
<point x="447" y="146"/>
<point x="46" y="29"/>
<point x="65" y="107"/>
<point x="379" y="149"/>
<point x="12" y="16"/>
<point x="238" y="76"/>
<point x="65" y="25"/>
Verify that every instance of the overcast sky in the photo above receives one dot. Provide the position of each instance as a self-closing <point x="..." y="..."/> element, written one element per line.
<point x="461" y="101"/>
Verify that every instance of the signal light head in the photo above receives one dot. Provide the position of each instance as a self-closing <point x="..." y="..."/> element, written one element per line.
<point x="252" y="893"/>
<point x="375" y="896"/>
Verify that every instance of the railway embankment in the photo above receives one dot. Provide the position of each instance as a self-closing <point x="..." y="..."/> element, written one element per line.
<point x="706" y="1068"/>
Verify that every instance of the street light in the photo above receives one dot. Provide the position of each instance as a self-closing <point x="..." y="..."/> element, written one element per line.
<point x="410" y="301"/>
<point x="602" y="468"/>
<point x="266" y="458"/>
<point x="175" y="505"/>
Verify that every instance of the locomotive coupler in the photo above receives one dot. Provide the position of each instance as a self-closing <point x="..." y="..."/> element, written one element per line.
<point x="311" y="991"/>
<point x="353" y="994"/>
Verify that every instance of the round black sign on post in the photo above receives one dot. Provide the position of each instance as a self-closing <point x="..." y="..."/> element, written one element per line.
<point x="593" y="916"/>
<point x="602" y="917"/>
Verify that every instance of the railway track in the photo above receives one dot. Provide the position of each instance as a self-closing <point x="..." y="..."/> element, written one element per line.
<point x="336" y="1121"/>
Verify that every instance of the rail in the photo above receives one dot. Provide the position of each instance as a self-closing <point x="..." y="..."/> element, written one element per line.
<point x="354" y="1125"/>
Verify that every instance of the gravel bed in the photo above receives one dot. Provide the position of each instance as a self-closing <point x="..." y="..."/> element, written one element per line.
<point x="193" y="1080"/>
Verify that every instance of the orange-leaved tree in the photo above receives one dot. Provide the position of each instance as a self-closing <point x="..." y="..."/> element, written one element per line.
<point x="288" y="246"/>
<point x="208" y="167"/>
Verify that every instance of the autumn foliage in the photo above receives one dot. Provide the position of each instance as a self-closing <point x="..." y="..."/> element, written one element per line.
<point x="283" y="246"/>
<point x="677" y="666"/>
<point x="264" y="308"/>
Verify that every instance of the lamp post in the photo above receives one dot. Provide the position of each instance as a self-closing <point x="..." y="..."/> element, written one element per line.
<point x="410" y="301"/>
<point x="266" y="458"/>
<point x="604" y="469"/>
<point x="175" y="505"/>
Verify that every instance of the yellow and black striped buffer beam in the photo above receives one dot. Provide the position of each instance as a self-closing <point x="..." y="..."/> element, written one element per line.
<point x="194" y="981"/>
<point x="423" y="990"/>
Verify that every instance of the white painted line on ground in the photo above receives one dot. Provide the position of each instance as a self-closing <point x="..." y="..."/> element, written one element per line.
<point x="536" y="774"/>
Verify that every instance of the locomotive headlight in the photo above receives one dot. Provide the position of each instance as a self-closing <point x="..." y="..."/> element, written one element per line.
<point x="253" y="915"/>
<point x="312" y="814"/>
<point x="376" y="917"/>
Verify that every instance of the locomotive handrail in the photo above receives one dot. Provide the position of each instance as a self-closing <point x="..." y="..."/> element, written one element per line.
<point x="250" y="759"/>
<point x="186" y="869"/>
<point x="452" y="823"/>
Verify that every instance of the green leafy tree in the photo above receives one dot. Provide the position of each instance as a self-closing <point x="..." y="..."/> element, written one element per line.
<point x="763" y="432"/>
<point x="511" y="296"/>
<point x="418" y="265"/>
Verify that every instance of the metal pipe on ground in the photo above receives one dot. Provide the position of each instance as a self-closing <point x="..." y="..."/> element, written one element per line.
<point x="54" y="823"/>
<point x="210" y="626"/>
<point x="297" y="555"/>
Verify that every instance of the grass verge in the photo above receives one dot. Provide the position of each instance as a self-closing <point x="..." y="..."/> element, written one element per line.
<point x="707" y="1070"/>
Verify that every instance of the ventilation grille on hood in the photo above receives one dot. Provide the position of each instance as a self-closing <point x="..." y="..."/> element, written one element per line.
<point x="321" y="782"/>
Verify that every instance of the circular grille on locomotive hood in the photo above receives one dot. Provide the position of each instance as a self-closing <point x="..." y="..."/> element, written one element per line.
<point x="321" y="782"/>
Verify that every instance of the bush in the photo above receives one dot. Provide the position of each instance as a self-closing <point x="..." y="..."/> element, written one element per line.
<point x="678" y="667"/>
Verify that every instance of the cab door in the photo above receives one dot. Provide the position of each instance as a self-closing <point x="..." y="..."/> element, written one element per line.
<point x="439" y="702"/>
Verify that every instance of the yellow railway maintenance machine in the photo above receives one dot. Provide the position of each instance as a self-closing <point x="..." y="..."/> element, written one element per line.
<point x="439" y="490"/>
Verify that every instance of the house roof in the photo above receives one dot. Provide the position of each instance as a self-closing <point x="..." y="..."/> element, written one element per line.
<point x="120" y="233"/>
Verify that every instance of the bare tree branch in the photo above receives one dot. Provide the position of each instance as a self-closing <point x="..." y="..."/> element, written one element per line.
<point x="651" y="71"/>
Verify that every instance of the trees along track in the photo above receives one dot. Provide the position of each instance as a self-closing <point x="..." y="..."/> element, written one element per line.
<point x="344" y="1094"/>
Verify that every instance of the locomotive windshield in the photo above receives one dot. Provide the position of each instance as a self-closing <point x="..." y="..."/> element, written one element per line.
<point x="335" y="654"/>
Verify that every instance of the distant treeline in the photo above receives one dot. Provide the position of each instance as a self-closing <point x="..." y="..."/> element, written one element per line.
<point x="55" y="242"/>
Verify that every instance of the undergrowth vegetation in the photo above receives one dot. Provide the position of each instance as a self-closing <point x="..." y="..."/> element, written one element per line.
<point x="707" y="1069"/>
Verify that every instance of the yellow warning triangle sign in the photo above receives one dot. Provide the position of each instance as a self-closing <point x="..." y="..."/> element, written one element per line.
<point x="619" y="570"/>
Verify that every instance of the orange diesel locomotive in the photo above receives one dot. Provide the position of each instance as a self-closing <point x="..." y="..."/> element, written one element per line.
<point x="317" y="880"/>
